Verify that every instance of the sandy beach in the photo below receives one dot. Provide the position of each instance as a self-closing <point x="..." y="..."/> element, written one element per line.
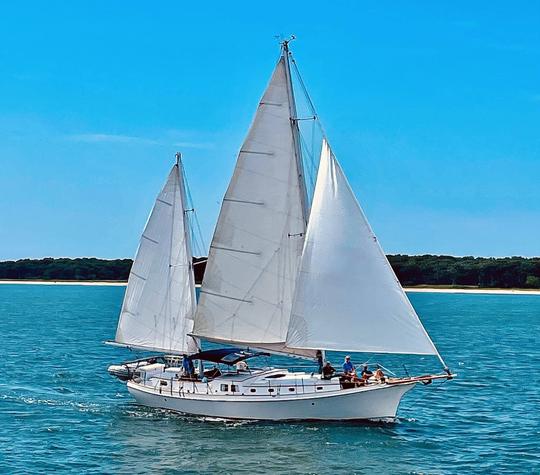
<point x="407" y="289"/>
<point x="473" y="291"/>
<point x="65" y="282"/>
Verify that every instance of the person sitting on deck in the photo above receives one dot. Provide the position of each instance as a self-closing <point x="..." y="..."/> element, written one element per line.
<point x="366" y="372"/>
<point x="356" y="380"/>
<point x="379" y="375"/>
<point x="328" y="371"/>
<point x="348" y="367"/>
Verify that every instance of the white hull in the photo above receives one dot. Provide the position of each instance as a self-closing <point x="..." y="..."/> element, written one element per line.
<point x="376" y="402"/>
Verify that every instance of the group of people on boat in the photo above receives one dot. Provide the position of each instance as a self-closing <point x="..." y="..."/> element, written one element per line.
<point x="350" y="374"/>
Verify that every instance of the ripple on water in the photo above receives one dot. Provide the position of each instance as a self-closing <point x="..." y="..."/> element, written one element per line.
<point x="77" y="419"/>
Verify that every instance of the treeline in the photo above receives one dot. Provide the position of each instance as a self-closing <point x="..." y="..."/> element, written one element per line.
<point x="86" y="268"/>
<point x="488" y="272"/>
<point x="508" y="272"/>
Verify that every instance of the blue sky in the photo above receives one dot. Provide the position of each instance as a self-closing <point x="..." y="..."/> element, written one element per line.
<point x="433" y="109"/>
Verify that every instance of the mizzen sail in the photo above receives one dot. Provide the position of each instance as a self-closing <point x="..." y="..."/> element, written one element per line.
<point x="159" y="304"/>
<point x="347" y="296"/>
<point x="249" y="281"/>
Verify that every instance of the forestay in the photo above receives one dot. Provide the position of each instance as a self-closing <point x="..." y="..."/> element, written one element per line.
<point x="247" y="291"/>
<point x="159" y="304"/>
<point x="347" y="296"/>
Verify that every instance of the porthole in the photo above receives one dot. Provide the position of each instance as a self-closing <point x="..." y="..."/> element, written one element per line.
<point x="253" y="390"/>
<point x="319" y="388"/>
<point x="291" y="389"/>
<point x="271" y="390"/>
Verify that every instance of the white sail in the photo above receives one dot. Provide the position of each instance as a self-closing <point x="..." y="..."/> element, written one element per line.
<point x="159" y="304"/>
<point x="347" y="296"/>
<point x="248" y="286"/>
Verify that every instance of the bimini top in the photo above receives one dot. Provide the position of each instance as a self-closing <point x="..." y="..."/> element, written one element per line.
<point x="227" y="356"/>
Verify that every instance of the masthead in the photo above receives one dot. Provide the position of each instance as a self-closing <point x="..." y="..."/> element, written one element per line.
<point x="284" y="42"/>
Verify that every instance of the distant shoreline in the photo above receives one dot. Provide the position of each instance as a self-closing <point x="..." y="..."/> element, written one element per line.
<point x="452" y="290"/>
<point x="422" y="289"/>
<point x="111" y="283"/>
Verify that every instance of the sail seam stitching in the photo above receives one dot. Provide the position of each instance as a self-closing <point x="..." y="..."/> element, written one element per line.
<point x="150" y="239"/>
<point x="244" y="201"/>
<point x="236" y="250"/>
<point x="225" y="296"/>
<point x="254" y="152"/>
<point x="137" y="275"/>
<point x="276" y="104"/>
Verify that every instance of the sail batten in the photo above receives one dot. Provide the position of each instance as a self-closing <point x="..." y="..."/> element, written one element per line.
<point x="364" y="310"/>
<point x="255" y="251"/>
<point x="159" y="304"/>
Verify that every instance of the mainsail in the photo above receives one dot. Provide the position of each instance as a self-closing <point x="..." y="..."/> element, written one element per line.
<point x="159" y="304"/>
<point x="347" y="296"/>
<point x="249" y="281"/>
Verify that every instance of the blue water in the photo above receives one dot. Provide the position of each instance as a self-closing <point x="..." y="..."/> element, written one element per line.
<point x="59" y="409"/>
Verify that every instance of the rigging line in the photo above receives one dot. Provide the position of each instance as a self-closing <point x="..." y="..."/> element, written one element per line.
<point x="197" y="226"/>
<point x="308" y="97"/>
<point x="311" y="162"/>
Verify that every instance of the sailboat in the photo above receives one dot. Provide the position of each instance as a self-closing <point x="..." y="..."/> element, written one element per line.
<point x="272" y="285"/>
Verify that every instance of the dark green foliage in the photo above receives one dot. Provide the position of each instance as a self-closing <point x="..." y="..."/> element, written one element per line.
<point x="75" y="269"/>
<point x="507" y="272"/>
<point x="66" y="269"/>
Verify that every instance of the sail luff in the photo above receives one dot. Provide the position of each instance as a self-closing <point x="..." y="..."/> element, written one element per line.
<point x="363" y="310"/>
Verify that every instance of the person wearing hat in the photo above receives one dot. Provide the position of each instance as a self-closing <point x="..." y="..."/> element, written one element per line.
<point x="348" y="367"/>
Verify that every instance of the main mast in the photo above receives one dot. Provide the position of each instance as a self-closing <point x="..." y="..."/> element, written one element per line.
<point x="295" y="130"/>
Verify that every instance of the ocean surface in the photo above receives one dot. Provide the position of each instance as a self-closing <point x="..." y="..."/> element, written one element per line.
<point x="61" y="411"/>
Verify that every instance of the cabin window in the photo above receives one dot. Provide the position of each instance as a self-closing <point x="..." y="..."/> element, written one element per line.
<point x="234" y="388"/>
<point x="319" y="388"/>
<point x="271" y="390"/>
<point x="253" y="390"/>
<point x="224" y="387"/>
<point x="291" y="389"/>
